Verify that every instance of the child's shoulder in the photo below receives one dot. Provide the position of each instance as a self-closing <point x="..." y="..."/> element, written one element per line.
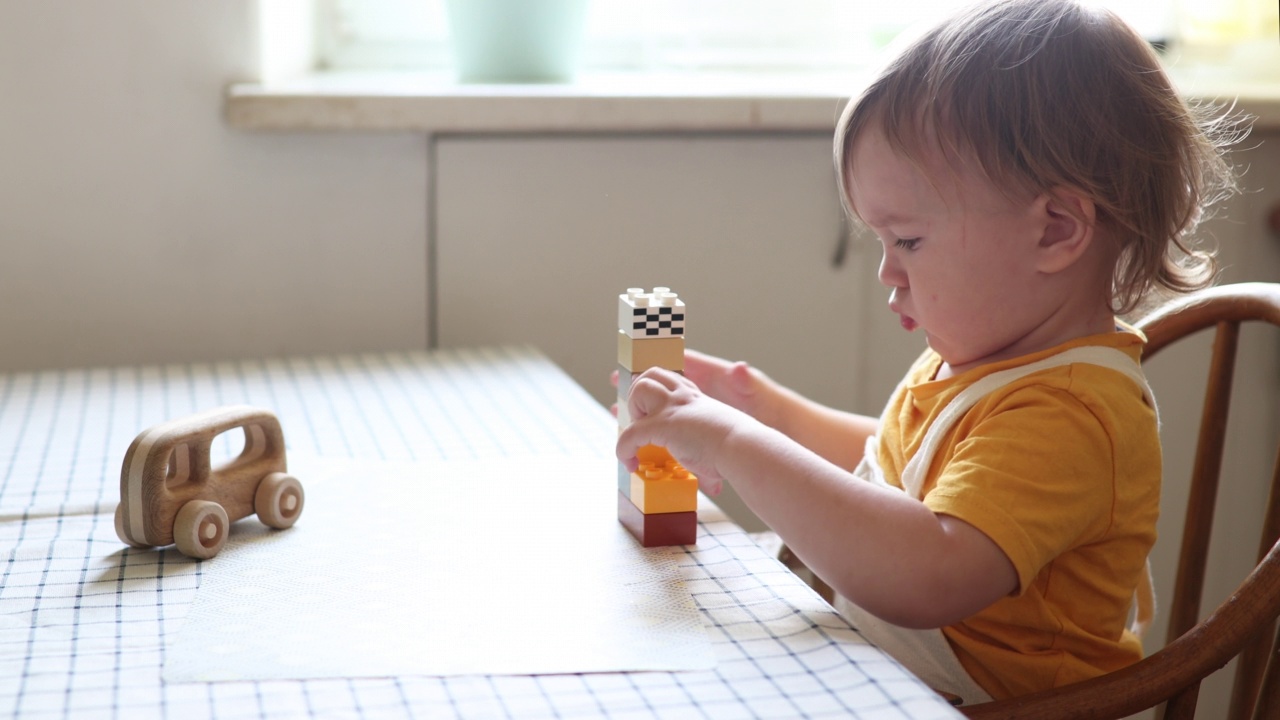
<point x="1118" y="351"/>
<point x="1099" y="375"/>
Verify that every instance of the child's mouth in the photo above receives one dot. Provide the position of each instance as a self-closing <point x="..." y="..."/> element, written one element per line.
<point x="907" y="323"/>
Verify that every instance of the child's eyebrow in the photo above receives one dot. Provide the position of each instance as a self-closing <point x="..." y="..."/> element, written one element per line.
<point x="889" y="218"/>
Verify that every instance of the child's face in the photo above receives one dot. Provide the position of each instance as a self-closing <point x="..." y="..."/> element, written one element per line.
<point x="959" y="256"/>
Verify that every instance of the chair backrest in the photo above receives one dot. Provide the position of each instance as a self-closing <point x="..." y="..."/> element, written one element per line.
<point x="1223" y="308"/>
<point x="1242" y="625"/>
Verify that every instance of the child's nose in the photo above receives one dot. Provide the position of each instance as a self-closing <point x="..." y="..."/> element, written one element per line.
<point x="891" y="274"/>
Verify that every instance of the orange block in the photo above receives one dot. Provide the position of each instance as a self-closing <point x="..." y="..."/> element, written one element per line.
<point x="655" y="455"/>
<point x="663" y="487"/>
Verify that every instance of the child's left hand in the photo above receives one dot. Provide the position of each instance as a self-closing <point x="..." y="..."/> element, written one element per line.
<point x="668" y="409"/>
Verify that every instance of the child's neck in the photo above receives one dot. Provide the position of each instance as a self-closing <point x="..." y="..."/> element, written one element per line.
<point x="1063" y="326"/>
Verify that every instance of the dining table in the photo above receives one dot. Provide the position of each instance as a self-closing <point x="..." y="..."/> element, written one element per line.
<point x="87" y="623"/>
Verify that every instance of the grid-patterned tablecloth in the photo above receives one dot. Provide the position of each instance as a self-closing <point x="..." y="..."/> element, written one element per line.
<point x="84" y="622"/>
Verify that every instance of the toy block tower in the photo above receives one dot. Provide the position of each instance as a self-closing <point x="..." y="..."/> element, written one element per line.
<point x="658" y="502"/>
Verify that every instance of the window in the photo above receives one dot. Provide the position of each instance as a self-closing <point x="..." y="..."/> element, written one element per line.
<point x="685" y="35"/>
<point x="653" y="35"/>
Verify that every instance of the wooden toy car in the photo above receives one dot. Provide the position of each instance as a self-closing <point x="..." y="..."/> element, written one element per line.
<point x="169" y="493"/>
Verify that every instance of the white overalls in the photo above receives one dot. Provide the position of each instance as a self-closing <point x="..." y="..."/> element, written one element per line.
<point x="927" y="652"/>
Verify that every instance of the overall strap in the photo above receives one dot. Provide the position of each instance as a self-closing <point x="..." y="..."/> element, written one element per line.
<point x="913" y="475"/>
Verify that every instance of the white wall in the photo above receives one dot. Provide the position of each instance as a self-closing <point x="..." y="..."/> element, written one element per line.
<point x="135" y="226"/>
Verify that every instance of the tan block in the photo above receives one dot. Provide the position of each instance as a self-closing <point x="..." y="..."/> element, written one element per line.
<point x="640" y="354"/>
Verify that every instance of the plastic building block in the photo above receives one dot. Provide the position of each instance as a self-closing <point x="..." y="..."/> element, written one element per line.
<point x="169" y="493"/>
<point x="665" y="488"/>
<point x="655" y="455"/>
<point x="640" y="354"/>
<point x="649" y="455"/>
<point x="658" y="529"/>
<point x="659" y="484"/>
<point x="657" y="314"/>
<point x="658" y="502"/>
<point x="624" y="480"/>
<point x="625" y="377"/>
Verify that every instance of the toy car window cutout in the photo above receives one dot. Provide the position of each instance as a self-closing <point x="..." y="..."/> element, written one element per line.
<point x="179" y="470"/>
<point x="240" y="450"/>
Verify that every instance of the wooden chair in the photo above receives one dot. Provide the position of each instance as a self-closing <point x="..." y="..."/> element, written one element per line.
<point x="1244" y="624"/>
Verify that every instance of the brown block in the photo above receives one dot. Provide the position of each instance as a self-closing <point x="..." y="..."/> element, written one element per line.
<point x="639" y="354"/>
<point x="658" y="529"/>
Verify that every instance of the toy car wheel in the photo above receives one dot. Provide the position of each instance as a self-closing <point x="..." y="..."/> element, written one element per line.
<point x="200" y="529"/>
<point x="123" y="534"/>
<point x="279" y="500"/>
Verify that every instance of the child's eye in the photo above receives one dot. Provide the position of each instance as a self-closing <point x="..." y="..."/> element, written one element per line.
<point x="907" y="243"/>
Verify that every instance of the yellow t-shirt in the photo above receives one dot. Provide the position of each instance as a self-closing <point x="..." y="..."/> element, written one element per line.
<point x="1061" y="469"/>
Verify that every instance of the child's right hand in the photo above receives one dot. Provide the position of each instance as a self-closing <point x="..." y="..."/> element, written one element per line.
<point x="735" y="384"/>
<point x="667" y="409"/>
<point x="835" y="435"/>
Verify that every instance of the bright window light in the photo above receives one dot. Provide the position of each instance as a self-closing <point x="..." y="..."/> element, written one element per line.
<point x="682" y="35"/>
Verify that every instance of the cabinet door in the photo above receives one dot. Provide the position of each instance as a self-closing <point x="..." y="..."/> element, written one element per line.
<point x="536" y="237"/>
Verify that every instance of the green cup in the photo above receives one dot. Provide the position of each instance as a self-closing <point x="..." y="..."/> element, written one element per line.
<point x="516" y="41"/>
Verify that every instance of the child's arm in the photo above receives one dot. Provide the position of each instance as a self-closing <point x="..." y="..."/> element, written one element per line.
<point x="834" y="435"/>
<point x="876" y="546"/>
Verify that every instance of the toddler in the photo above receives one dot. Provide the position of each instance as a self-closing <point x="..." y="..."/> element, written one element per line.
<point x="1031" y="174"/>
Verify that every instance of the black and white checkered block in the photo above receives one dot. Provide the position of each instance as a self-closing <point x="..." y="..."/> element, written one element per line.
<point x="643" y="315"/>
<point x="657" y="322"/>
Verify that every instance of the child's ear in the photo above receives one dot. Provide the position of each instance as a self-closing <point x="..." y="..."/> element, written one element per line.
<point x="1068" y="219"/>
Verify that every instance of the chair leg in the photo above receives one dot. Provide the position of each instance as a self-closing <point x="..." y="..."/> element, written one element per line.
<point x="1251" y="665"/>
<point x="1254" y="661"/>
<point x="1267" y="706"/>
<point x="1183" y="705"/>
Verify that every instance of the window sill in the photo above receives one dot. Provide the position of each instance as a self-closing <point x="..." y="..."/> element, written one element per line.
<point x="434" y="103"/>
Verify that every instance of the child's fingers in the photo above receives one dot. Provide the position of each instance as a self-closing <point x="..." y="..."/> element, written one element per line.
<point x="710" y="487"/>
<point x="627" y="448"/>
<point x="651" y="391"/>
<point x="740" y="378"/>
<point x="699" y="367"/>
<point x="734" y="383"/>
<point x="646" y="396"/>
<point x="613" y="378"/>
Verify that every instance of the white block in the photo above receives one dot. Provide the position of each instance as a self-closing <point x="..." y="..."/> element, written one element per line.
<point x="659" y="314"/>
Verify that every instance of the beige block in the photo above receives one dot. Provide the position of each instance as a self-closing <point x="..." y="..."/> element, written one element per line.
<point x="640" y="354"/>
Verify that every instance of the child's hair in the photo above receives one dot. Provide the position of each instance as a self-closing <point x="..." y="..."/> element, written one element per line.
<point x="1045" y="94"/>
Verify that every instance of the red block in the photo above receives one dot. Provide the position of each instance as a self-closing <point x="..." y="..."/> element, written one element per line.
<point x="658" y="529"/>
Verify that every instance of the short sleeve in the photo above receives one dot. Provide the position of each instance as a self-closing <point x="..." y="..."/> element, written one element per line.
<point x="1034" y="472"/>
